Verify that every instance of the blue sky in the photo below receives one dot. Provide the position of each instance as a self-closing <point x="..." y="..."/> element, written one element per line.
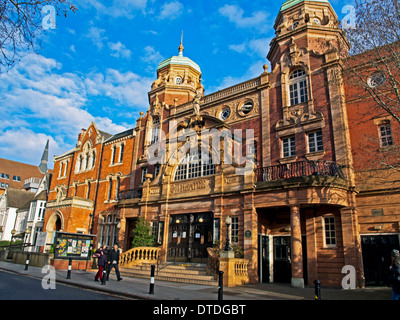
<point x="99" y="63"/>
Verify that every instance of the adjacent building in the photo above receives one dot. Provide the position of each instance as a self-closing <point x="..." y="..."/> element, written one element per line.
<point x="276" y="162"/>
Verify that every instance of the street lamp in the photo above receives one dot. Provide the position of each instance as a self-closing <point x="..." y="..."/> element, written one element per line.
<point x="26" y="237"/>
<point x="228" y="222"/>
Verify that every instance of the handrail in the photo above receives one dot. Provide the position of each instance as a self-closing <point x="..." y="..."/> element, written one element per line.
<point x="299" y="169"/>
<point x="139" y="255"/>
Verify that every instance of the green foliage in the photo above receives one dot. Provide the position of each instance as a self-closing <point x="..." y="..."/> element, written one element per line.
<point x="142" y="236"/>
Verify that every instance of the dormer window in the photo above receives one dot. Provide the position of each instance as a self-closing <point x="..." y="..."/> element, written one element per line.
<point x="298" y="87"/>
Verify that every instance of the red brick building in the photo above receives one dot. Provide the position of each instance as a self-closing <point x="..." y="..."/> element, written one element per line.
<point x="290" y="179"/>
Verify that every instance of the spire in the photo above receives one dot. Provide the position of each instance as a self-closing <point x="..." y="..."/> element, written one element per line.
<point x="45" y="158"/>
<point x="181" y="46"/>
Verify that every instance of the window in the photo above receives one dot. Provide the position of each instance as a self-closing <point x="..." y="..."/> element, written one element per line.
<point x="4" y="176"/>
<point x="16" y="178"/>
<point x="235" y="230"/>
<point x="288" y="147"/>
<point x="330" y="231"/>
<point x="376" y="80"/>
<point x="157" y="169"/>
<point x="225" y="113"/>
<point x="108" y="230"/>
<point x="41" y="211"/>
<point x="121" y="153"/>
<point x="118" y="188"/>
<point x="109" y="189"/>
<point x="298" y="87"/>
<point x="88" y="191"/>
<point x="178" y="80"/>
<point x="113" y="152"/>
<point x="93" y="159"/>
<point x="155" y="130"/>
<point x="385" y="133"/>
<point x="315" y="142"/>
<point x="194" y="165"/>
<point x="144" y="172"/>
<point x="295" y="25"/>
<point x="247" y="107"/>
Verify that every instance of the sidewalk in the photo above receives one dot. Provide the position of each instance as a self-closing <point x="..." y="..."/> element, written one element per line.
<point x="135" y="288"/>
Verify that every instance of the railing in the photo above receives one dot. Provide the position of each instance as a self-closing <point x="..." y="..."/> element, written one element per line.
<point x="300" y="169"/>
<point x="130" y="194"/>
<point x="139" y="255"/>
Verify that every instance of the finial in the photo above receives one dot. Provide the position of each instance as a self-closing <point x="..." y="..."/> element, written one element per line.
<point x="181" y="46"/>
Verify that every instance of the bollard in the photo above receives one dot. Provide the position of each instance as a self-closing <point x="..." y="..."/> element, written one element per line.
<point x="153" y="268"/>
<point x="69" y="269"/>
<point x="220" y="285"/>
<point x="317" y="284"/>
<point x="104" y="276"/>
<point x="27" y="261"/>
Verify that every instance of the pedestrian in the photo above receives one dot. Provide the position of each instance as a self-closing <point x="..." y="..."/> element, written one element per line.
<point x="394" y="274"/>
<point x="101" y="254"/>
<point x="113" y="260"/>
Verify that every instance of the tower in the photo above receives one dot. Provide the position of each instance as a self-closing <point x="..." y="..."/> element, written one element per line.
<point x="178" y="80"/>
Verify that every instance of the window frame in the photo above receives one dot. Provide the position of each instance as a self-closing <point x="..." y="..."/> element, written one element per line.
<point x="190" y="168"/>
<point x="327" y="227"/>
<point x="291" y="152"/>
<point x="317" y="147"/>
<point x="296" y="90"/>
<point x="388" y="137"/>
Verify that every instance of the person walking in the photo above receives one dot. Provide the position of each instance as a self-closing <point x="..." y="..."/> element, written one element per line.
<point x="394" y="274"/>
<point x="112" y="260"/>
<point x="101" y="254"/>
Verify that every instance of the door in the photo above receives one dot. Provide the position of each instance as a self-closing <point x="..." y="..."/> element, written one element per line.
<point x="263" y="258"/>
<point x="282" y="261"/>
<point x="376" y="251"/>
<point x="189" y="237"/>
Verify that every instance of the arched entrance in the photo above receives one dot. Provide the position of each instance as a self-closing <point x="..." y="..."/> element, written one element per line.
<point x="55" y="223"/>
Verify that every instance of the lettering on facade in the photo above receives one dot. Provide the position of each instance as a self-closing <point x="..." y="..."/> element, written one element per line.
<point x="189" y="186"/>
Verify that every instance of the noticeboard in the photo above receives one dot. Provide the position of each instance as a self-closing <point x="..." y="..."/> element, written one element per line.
<point x="73" y="245"/>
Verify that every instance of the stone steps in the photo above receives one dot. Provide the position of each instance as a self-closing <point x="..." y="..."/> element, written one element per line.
<point x="184" y="273"/>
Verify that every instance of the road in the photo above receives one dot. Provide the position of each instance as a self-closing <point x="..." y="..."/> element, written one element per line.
<point x="19" y="287"/>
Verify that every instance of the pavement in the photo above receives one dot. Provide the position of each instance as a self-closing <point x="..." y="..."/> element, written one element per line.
<point x="138" y="288"/>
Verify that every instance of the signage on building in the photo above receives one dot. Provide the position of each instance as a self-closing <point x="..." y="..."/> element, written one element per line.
<point x="41" y="239"/>
<point x="73" y="245"/>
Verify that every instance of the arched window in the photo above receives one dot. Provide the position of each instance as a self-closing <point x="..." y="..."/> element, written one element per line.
<point x="194" y="164"/>
<point x="298" y="87"/>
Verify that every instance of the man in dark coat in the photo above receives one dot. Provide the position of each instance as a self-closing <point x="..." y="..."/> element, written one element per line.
<point x="112" y="260"/>
<point x="101" y="254"/>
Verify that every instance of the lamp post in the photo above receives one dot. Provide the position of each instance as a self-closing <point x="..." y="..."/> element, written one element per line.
<point x="26" y="238"/>
<point x="228" y="222"/>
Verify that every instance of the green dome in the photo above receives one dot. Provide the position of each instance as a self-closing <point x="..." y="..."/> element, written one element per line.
<point x="290" y="3"/>
<point x="179" y="60"/>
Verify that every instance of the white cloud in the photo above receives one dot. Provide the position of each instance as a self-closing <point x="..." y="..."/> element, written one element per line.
<point x="171" y="10"/>
<point x="235" y="14"/>
<point x="119" y="50"/>
<point x="96" y="35"/>
<point x="38" y="101"/>
<point x="151" y="56"/>
<point x="117" y="8"/>
<point x="254" y="47"/>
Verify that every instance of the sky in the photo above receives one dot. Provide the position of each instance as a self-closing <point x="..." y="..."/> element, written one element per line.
<point x="98" y="65"/>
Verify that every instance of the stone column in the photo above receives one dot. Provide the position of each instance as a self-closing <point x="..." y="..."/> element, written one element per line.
<point x="297" y="248"/>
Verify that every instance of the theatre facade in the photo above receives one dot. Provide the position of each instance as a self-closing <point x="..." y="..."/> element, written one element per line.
<point x="268" y="162"/>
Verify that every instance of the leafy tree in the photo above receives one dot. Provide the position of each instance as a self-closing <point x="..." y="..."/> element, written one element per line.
<point x="142" y="236"/>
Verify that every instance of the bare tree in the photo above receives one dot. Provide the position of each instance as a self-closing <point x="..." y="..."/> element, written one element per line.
<point x="20" y="23"/>
<point x="372" y="69"/>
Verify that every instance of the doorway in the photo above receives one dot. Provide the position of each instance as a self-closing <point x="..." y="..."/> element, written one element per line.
<point x="189" y="237"/>
<point x="376" y="255"/>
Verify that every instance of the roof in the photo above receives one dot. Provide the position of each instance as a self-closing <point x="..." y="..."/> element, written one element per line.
<point x="179" y="60"/>
<point x="18" y="198"/>
<point x="120" y="135"/>
<point x="290" y="3"/>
